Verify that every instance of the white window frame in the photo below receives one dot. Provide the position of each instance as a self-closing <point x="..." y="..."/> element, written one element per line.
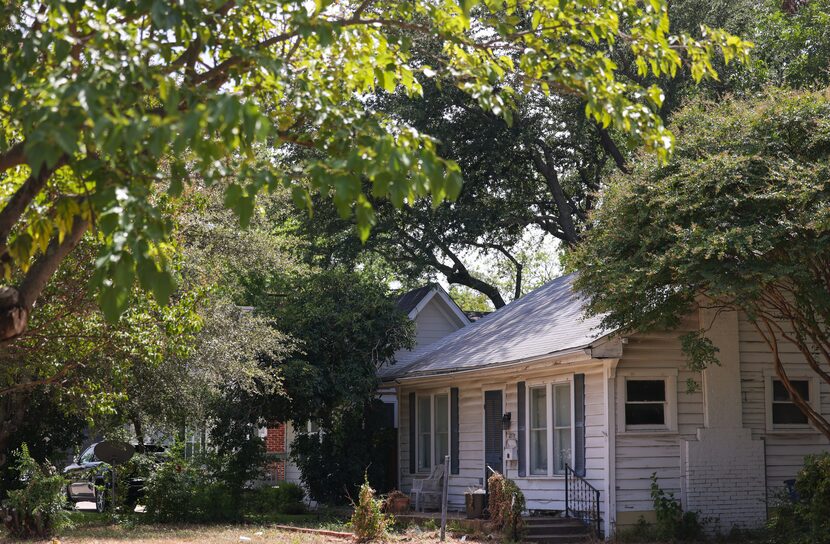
<point x="432" y="433"/>
<point x="549" y="386"/>
<point x="815" y="401"/>
<point x="669" y="376"/>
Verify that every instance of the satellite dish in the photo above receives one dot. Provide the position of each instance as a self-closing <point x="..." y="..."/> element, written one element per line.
<point x="114" y="453"/>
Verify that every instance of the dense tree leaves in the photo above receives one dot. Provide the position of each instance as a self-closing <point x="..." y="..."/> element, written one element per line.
<point x="740" y="215"/>
<point x="104" y="99"/>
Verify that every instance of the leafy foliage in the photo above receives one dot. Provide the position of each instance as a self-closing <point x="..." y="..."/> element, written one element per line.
<point x="37" y="509"/>
<point x="182" y="490"/>
<point x="808" y="518"/>
<point x="672" y="522"/>
<point x="283" y="498"/>
<point x="741" y="215"/>
<point x="333" y="464"/>
<point x="106" y="100"/>
<point x="368" y="522"/>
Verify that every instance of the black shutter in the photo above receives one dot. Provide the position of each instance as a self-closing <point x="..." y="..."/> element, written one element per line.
<point x="413" y="447"/>
<point x="454" y="465"/>
<point x="520" y="399"/>
<point x="579" y="424"/>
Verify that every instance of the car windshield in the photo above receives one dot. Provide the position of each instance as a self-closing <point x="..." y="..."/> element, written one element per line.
<point x="88" y="455"/>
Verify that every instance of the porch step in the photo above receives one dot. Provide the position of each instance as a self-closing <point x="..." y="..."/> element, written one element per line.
<point x="558" y="539"/>
<point x="555" y="530"/>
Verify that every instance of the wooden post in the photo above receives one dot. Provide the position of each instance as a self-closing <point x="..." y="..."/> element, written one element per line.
<point x="444" y="493"/>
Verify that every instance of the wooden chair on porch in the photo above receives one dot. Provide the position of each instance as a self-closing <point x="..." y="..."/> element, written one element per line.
<point x="431" y="485"/>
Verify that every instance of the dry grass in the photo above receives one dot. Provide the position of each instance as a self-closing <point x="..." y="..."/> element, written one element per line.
<point x="159" y="534"/>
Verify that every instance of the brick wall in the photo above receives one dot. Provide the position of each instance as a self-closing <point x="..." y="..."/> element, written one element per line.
<point x="724" y="478"/>
<point x="275" y="443"/>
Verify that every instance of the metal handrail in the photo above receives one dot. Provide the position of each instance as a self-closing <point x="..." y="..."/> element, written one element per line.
<point x="582" y="500"/>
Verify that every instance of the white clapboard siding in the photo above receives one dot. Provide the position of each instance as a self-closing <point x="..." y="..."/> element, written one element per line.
<point x="638" y="455"/>
<point x="542" y="493"/>
<point x="432" y="323"/>
<point x="785" y="451"/>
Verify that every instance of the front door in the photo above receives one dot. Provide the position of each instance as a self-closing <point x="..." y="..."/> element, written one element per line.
<point x="493" y="440"/>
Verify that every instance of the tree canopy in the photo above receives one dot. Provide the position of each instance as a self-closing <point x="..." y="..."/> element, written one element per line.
<point x="740" y="216"/>
<point x="104" y="100"/>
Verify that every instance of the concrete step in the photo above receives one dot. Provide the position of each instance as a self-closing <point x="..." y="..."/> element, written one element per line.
<point x="557" y="539"/>
<point x="545" y="520"/>
<point x="556" y="528"/>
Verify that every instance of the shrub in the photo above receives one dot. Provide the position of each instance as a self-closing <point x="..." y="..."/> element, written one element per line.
<point x="507" y="502"/>
<point x="189" y="491"/>
<point x="368" y="521"/>
<point x="285" y="498"/>
<point x="37" y="509"/>
<point x="806" y="519"/>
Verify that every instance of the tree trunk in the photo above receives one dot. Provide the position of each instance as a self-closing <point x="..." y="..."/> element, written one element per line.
<point x="16" y="303"/>
<point x="490" y="291"/>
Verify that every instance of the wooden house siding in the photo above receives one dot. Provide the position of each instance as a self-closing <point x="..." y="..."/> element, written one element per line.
<point x="784" y="450"/>
<point x="639" y="454"/>
<point x="541" y="492"/>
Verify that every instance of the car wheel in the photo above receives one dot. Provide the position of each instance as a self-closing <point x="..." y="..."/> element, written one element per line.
<point x="100" y="501"/>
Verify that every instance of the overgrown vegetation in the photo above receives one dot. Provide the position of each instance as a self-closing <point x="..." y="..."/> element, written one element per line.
<point x="369" y="522"/>
<point x="37" y="509"/>
<point x="673" y="523"/>
<point x="805" y="517"/>
<point x="507" y="502"/>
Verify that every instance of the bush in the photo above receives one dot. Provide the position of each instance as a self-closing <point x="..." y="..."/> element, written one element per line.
<point x="37" y="509"/>
<point x="368" y="521"/>
<point x="185" y="491"/>
<point x="673" y="524"/>
<point x="285" y="498"/>
<point x="507" y="502"/>
<point x="806" y="519"/>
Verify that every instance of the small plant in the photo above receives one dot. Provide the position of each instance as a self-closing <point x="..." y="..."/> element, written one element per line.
<point x="507" y="502"/>
<point x="37" y="509"/>
<point x="368" y="521"/>
<point x="672" y="521"/>
<point x="396" y="502"/>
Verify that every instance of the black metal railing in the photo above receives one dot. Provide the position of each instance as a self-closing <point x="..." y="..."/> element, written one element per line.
<point x="582" y="501"/>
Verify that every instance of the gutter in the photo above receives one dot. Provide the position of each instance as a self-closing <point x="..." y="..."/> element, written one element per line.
<point x="417" y="376"/>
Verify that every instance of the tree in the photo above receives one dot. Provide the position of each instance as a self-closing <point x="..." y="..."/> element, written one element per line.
<point x="740" y="216"/>
<point x="104" y="100"/>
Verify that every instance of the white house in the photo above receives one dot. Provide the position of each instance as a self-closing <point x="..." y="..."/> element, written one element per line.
<point x="435" y="315"/>
<point x="534" y="387"/>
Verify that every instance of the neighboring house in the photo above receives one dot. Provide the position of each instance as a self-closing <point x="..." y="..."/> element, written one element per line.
<point x="535" y="386"/>
<point x="435" y="315"/>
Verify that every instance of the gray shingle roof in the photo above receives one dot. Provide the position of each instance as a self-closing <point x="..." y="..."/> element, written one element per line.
<point x="547" y="320"/>
<point x="409" y="300"/>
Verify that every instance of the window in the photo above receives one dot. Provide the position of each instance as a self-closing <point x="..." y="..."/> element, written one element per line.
<point x="442" y="427"/>
<point x="645" y="403"/>
<point x="561" y="427"/>
<point x="424" y="433"/>
<point x="550" y="429"/>
<point x="784" y="411"/>
<point x="538" y="431"/>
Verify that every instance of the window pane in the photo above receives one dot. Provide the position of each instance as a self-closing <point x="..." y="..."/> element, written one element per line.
<point x="442" y="426"/>
<point x="424" y="432"/>
<point x="780" y="393"/>
<point x="562" y="410"/>
<point x="787" y="413"/>
<point x="561" y="449"/>
<point x="538" y="407"/>
<point x="645" y="390"/>
<point x="645" y="414"/>
<point x="424" y="418"/>
<point x="442" y="416"/>
<point x="539" y="451"/>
